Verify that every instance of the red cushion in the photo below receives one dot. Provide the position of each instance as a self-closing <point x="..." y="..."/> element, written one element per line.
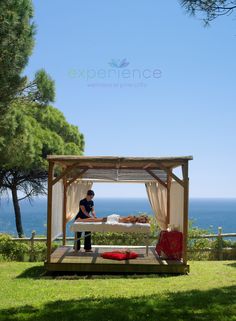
<point x="171" y="243"/>
<point x="119" y="255"/>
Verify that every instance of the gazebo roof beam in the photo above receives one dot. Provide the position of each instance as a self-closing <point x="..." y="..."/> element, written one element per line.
<point x="169" y="172"/>
<point x="64" y="173"/>
<point x="76" y="177"/>
<point x="156" y="177"/>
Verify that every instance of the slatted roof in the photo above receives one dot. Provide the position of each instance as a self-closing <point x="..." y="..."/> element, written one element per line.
<point x="117" y="168"/>
<point x="123" y="175"/>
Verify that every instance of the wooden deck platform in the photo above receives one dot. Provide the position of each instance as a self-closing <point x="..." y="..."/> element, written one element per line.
<point x="65" y="259"/>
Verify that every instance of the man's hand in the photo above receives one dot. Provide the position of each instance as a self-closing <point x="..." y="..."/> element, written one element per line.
<point x="94" y="215"/>
<point x="93" y="212"/>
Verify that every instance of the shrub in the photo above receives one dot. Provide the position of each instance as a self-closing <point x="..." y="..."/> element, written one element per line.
<point x="226" y="254"/>
<point x="21" y="251"/>
<point x="12" y="250"/>
<point x="196" y="247"/>
<point x="39" y="252"/>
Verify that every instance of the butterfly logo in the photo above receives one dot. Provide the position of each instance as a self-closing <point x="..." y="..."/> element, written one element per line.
<point x="119" y="63"/>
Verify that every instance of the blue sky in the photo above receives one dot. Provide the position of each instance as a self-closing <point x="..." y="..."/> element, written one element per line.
<point x="188" y="110"/>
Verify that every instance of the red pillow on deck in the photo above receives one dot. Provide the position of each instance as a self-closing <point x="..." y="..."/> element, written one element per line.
<point x="119" y="255"/>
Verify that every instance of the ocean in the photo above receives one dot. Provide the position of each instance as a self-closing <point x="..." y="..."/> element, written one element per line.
<point x="205" y="213"/>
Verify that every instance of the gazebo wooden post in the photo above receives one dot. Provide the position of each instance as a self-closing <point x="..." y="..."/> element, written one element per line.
<point x="168" y="197"/>
<point x="49" y="210"/>
<point x="185" y="216"/>
<point x="64" y="210"/>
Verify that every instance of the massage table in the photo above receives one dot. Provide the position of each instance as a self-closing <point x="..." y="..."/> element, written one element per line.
<point x="100" y="225"/>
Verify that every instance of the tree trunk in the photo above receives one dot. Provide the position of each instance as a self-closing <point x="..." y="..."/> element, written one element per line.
<point x="15" y="200"/>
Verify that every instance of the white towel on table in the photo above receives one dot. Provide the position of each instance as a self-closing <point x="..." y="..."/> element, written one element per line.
<point x="113" y="219"/>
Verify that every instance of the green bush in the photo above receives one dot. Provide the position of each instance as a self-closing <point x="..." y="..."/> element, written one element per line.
<point x="12" y="250"/>
<point x="39" y="252"/>
<point x="21" y="251"/>
<point x="196" y="246"/>
<point x="227" y="254"/>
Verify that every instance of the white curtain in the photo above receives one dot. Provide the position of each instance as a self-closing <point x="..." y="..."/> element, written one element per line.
<point x="57" y="210"/>
<point x="75" y="192"/>
<point x="157" y="195"/>
<point x="176" y="205"/>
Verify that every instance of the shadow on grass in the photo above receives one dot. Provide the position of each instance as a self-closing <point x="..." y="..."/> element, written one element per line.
<point x="231" y="264"/>
<point x="39" y="272"/>
<point x="215" y="304"/>
<point x="34" y="272"/>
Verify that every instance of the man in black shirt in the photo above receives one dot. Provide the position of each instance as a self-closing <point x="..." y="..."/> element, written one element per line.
<point x="86" y="206"/>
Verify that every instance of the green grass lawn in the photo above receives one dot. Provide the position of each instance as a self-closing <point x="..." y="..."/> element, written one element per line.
<point x="207" y="293"/>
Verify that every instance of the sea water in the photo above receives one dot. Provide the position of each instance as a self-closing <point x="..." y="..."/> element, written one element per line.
<point x="205" y="213"/>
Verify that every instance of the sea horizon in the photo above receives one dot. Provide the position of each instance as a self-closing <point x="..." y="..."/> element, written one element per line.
<point x="206" y="213"/>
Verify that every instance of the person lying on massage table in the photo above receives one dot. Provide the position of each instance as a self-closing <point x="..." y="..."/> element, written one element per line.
<point x="86" y="206"/>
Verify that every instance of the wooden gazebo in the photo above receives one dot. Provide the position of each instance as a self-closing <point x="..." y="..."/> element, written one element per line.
<point x="68" y="174"/>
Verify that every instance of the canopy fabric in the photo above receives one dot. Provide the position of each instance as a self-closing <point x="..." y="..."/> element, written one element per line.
<point x="157" y="195"/>
<point x="75" y="192"/>
<point x="177" y="205"/>
<point x="57" y="209"/>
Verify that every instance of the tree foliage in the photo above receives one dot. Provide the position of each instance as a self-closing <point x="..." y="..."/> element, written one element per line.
<point x="41" y="89"/>
<point x="17" y="32"/>
<point x="31" y="132"/>
<point x="16" y="44"/>
<point x="209" y="9"/>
